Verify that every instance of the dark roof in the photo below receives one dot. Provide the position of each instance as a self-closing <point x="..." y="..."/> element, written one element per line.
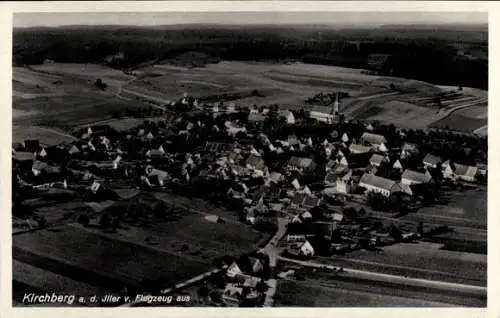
<point x="376" y="181"/>
<point x="431" y="159"/>
<point x="256" y="162"/>
<point x="416" y="176"/>
<point x="311" y="201"/>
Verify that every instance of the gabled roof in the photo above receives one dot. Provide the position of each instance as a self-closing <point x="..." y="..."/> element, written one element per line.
<point x="321" y="109"/>
<point x="373" y="139"/>
<point x="377" y="159"/>
<point x="431" y="159"/>
<point x="409" y="147"/>
<point x="311" y="201"/>
<point x="416" y="176"/>
<point x="301" y="162"/>
<point x="375" y="181"/>
<point x="331" y="177"/>
<point x="357" y="148"/>
<point x="256" y="162"/>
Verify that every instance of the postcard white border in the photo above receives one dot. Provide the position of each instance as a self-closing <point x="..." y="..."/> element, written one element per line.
<point x="6" y="10"/>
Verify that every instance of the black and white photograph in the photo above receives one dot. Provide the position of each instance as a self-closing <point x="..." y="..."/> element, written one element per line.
<point x="249" y="159"/>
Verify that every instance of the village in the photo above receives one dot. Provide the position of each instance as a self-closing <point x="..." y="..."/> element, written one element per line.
<point x="338" y="185"/>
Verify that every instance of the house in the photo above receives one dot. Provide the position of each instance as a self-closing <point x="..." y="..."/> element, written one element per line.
<point x="408" y="150"/>
<point x="155" y="176"/>
<point x="275" y="177"/>
<point x="431" y="161"/>
<point x="96" y="187"/>
<point x="40" y="167"/>
<point x="322" y="113"/>
<point x="256" y="118"/>
<point x="373" y="139"/>
<point x="295" y="237"/>
<point x="306" y="249"/>
<point x="233" y="270"/>
<point x="232" y="294"/>
<point x="292" y="140"/>
<point x="341" y="182"/>
<point x="72" y="149"/>
<point x="41" y="152"/>
<point x="345" y="138"/>
<point x="256" y="265"/>
<point x="377" y="184"/>
<point x="355" y="161"/>
<point x="288" y="116"/>
<point x="376" y="160"/>
<point x="397" y="165"/>
<point x="300" y="164"/>
<point x="310" y="202"/>
<point x="257" y="164"/>
<point x="458" y="171"/>
<point x="357" y="148"/>
<point x="411" y="177"/>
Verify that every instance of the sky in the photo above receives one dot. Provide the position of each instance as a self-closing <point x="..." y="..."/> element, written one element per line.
<point x="245" y="18"/>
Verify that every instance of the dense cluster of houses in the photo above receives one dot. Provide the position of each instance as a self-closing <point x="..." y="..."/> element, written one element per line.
<point x="224" y="153"/>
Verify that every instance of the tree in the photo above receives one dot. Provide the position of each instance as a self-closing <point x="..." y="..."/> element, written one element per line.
<point x="105" y="221"/>
<point x="83" y="219"/>
<point x="262" y="287"/>
<point x="203" y="291"/>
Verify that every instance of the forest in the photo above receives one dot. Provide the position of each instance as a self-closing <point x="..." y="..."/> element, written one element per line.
<point x="446" y="56"/>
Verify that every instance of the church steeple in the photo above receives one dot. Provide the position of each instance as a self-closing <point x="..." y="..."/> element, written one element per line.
<point x="336" y="104"/>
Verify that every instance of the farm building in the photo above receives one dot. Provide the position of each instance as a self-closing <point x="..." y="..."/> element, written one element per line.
<point x="411" y="177"/>
<point x="340" y="182"/>
<point x="431" y="161"/>
<point x="233" y="270"/>
<point x="377" y="184"/>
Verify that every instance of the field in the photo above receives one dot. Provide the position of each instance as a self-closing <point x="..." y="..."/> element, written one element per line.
<point x="174" y="250"/>
<point x="46" y="136"/>
<point x="64" y="88"/>
<point x="334" y="292"/>
<point x="75" y="251"/>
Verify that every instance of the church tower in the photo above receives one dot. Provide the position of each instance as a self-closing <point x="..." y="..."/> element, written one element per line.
<point x="336" y="109"/>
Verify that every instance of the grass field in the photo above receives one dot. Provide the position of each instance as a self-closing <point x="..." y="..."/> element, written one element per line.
<point x="421" y="260"/>
<point x="106" y="257"/>
<point x="317" y="293"/>
<point x="45" y="135"/>
<point x="47" y="281"/>
<point x="460" y="122"/>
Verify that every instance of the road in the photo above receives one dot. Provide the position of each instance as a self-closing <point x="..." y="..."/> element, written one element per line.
<point x="271" y="249"/>
<point x="415" y="282"/>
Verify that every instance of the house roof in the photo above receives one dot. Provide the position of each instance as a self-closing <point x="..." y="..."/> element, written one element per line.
<point x="357" y="148"/>
<point x="431" y="159"/>
<point x="409" y="147"/>
<point x="311" y="201"/>
<point x="331" y="177"/>
<point x="377" y="159"/>
<point x="256" y="117"/>
<point x="416" y="176"/>
<point x="301" y="162"/>
<point x="321" y="109"/>
<point x="373" y="138"/>
<point x="284" y="112"/>
<point x="464" y="170"/>
<point x="375" y="181"/>
<point x="256" y="162"/>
